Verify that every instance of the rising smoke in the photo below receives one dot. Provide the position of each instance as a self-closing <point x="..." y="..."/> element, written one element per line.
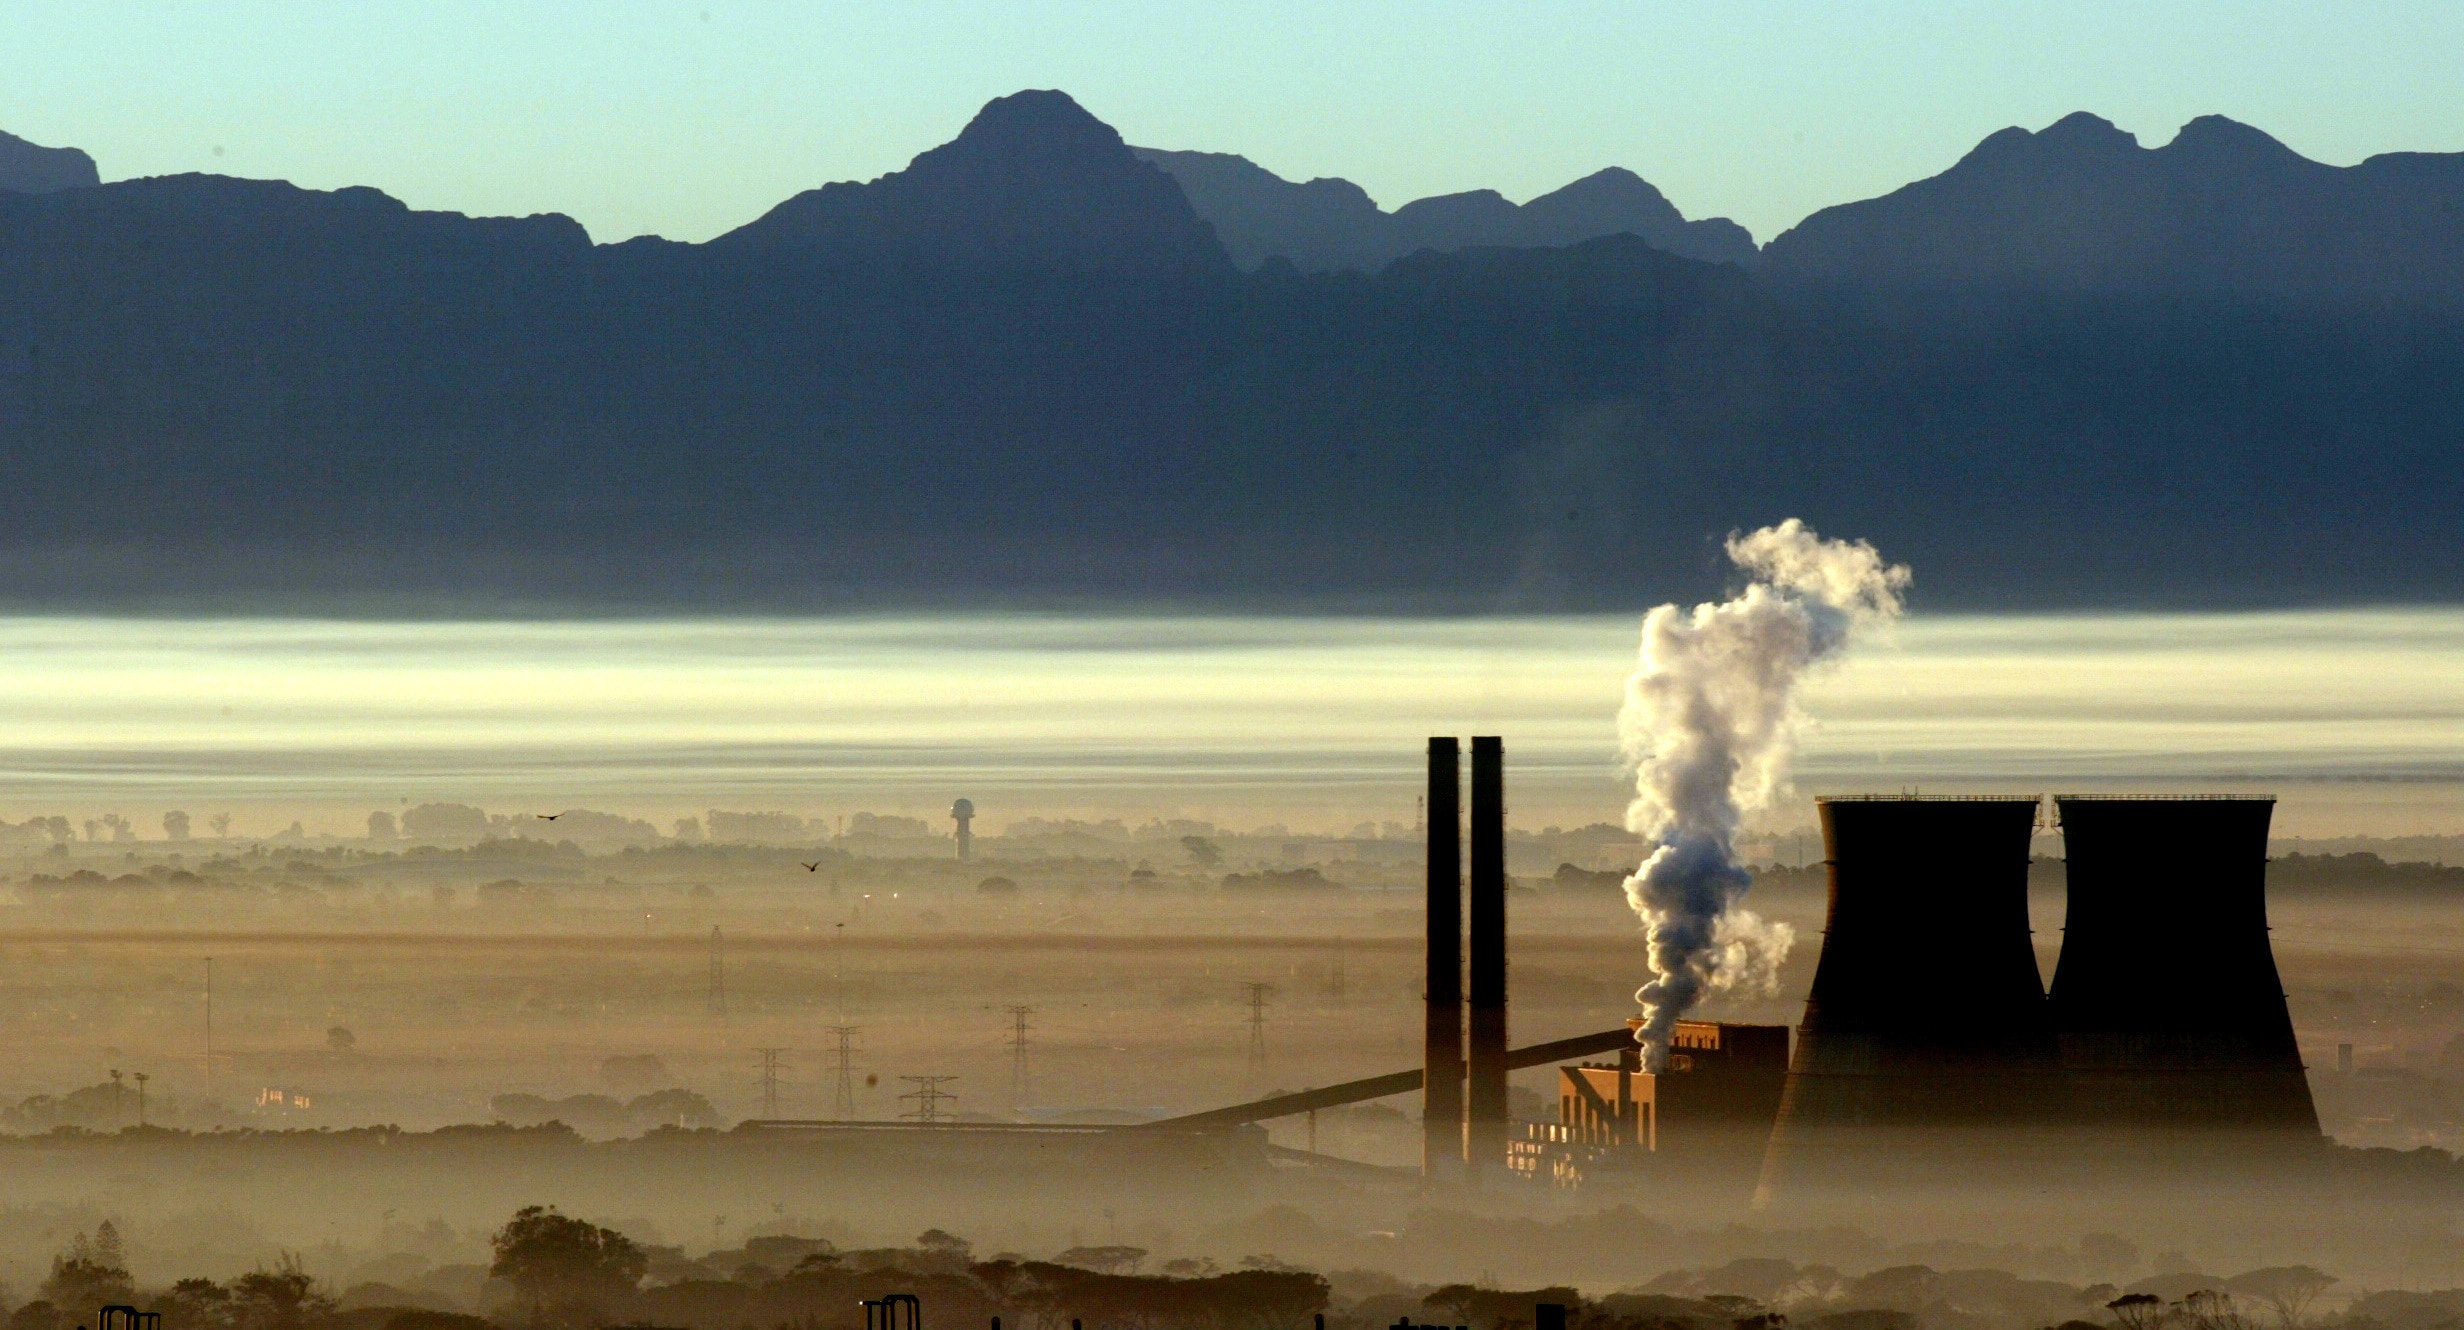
<point x="1708" y="726"/>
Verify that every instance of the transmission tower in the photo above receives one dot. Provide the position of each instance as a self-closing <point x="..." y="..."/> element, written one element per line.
<point x="1018" y="1054"/>
<point x="843" y="1099"/>
<point x="718" y="974"/>
<point x="1258" y="994"/>
<point x="928" y="1096"/>
<point x="769" y="1081"/>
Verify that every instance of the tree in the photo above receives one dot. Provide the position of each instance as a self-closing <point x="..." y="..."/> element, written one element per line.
<point x="2137" y="1311"/>
<point x="341" y="1040"/>
<point x="2288" y="1290"/>
<point x="196" y="1304"/>
<point x="221" y="823"/>
<point x="1110" y="1260"/>
<point x="673" y="1107"/>
<point x="2209" y="1309"/>
<point x="552" y="1260"/>
<point x="1202" y="851"/>
<point x="175" y="825"/>
<point x="283" y="1298"/>
<point x="91" y="1274"/>
<point x="1492" y="1309"/>
<point x="1272" y="1298"/>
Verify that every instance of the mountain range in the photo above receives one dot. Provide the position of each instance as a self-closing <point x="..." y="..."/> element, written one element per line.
<point x="1329" y="225"/>
<point x="2079" y="207"/>
<point x="1042" y="366"/>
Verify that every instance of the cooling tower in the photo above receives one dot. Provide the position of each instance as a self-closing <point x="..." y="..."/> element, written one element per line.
<point x="1926" y="1031"/>
<point x="2166" y="1001"/>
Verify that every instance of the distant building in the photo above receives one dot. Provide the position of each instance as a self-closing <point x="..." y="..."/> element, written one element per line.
<point x="1721" y="1081"/>
<point x="963" y="813"/>
<point x="1710" y="1108"/>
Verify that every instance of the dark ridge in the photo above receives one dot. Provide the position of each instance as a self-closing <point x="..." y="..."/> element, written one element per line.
<point x="2080" y="207"/>
<point x="30" y="169"/>
<point x="1330" y="225"/>
<point x="1023" y="373"/>
<point x="1033" y="181"/>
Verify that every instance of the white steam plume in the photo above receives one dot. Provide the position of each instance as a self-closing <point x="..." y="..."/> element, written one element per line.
<point x="1708" y="726"/>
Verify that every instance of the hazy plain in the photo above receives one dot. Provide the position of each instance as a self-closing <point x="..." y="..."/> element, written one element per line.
<point x="1311" y="723"/>
<point x="463" y="972"/>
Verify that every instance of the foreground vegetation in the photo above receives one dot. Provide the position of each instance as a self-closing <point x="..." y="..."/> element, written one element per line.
<point x="549" y="1271"/>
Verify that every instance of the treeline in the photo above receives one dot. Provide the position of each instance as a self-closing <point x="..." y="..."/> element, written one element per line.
<point x="2361" y="871"/>
<point x="550" y="1271"/>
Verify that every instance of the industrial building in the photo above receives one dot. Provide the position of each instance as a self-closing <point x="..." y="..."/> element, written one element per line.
<point x="1930" y="1050"/>
<point x="1701" y="1121"/>
<point x="1716" y="1096"/>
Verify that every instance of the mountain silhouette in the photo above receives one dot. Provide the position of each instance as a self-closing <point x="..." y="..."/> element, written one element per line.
<point x="1033" y="180"/>
<point x="1321" y="225"/>
<point x="30" y="169"/>
<point x="1331" y="225"/>
<point x="2080" y="207"/>
<point x="1024" y="371"/>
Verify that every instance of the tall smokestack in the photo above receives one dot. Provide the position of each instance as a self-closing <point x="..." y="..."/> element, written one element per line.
<point x="1442" y="1069"/>
<point x="1485" y="1102"/>
<point x="2166" y="1001"/>
<point x="1926" y="1035"/>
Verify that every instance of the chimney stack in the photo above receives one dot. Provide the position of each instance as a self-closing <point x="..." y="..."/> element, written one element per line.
<point x="1442" y="1068"/>
<point x="1485" y="1100"/>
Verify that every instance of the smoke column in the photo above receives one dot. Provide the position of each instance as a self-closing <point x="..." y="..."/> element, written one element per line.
<point x="1708" y="726"/>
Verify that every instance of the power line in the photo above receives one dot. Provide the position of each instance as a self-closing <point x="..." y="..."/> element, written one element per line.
<point x="1258" y="994"/>
<point x="209" y="1029"/>
<point x="928" y="1096"/>
<point x="769" y="1081"/>
<point x="843" y="1098"/>
<point x="1018" y="1054"/>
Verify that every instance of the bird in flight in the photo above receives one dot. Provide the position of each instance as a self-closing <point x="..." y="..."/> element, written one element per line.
<point x="810" y="868"/>
<point x="547" y="817"/>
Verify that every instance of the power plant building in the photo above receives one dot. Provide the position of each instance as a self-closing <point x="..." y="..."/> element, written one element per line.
<point x="1930" y="1051"/>
<point x="1717" y="1094"/>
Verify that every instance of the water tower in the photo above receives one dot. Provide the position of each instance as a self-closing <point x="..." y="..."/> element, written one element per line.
<point x="963" y="813"/>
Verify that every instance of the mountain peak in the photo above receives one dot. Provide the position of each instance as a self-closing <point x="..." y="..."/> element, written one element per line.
<point x="2217" y="140"/>
<point x="32" y="169"/>
<point x="1037" y="117"/>
<point x="1635" y="204"/>
<point x="2088" y="130"/>
<point x="1034" y="180"/>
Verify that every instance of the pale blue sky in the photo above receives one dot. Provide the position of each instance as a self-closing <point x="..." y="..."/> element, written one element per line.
<point x="687" y="117"/>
